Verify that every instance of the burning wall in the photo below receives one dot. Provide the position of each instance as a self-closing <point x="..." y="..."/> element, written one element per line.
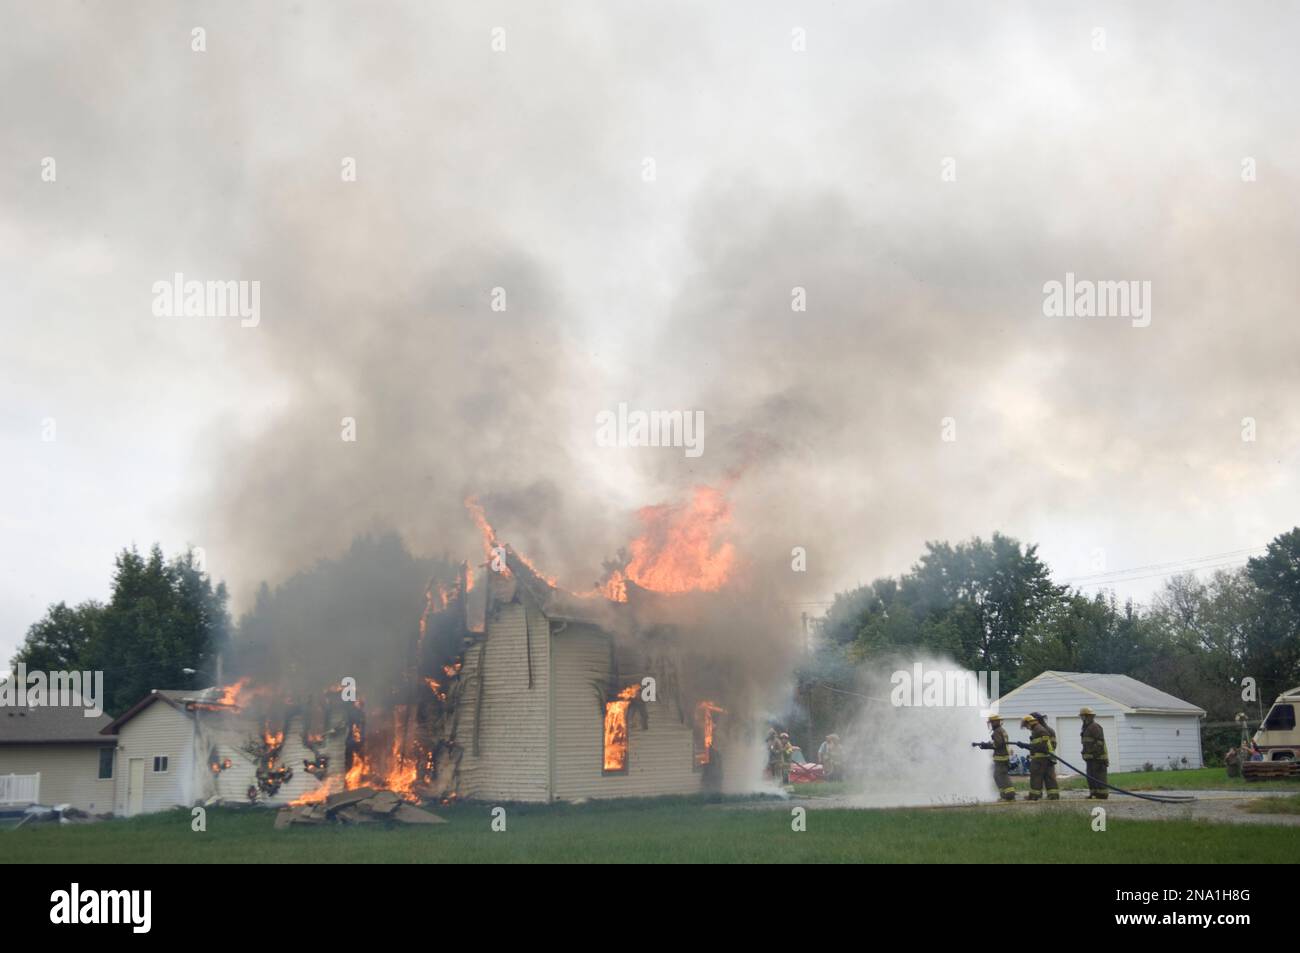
<point x="509" y="686"/>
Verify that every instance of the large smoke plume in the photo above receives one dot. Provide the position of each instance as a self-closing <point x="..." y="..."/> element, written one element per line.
<point x="524" y="170"/>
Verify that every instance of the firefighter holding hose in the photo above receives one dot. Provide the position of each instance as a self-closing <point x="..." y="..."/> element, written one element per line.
<point x="1042" y="770"/>
<point x="1095" y="758"/>
<point x="1000" y="745"/>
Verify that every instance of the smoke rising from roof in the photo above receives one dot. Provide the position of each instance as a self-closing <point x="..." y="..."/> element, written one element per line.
<point x="523" y="170"/>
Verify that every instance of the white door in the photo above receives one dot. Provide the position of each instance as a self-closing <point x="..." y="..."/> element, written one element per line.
<point x="135" y="787"/>
<point x="1069" y="745"/>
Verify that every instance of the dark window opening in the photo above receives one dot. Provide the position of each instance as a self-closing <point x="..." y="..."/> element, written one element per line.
<point x="160" y="764"/>
<point x="1281" y="718"/>
<point x="105" y="764"/>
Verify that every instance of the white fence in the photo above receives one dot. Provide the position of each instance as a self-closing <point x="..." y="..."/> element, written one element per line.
<point x="20" y="788"/>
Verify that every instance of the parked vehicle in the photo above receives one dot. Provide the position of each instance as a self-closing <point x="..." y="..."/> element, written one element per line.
<point x="1278" y="740"/>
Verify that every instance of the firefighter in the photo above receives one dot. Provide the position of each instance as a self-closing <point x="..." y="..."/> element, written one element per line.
<point x="1042" y="720"/>
<point x="1095" y="759"/>
<point x="774" y="755"/>
<point x="787" y="756"/>
<point x="829" y="755"/>
<point x="1001" y="748"/>
<point x="1042" y="771"/>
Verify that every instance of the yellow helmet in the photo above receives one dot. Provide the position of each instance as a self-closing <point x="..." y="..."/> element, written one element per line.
<point x="997" y="718"/>
<point x="1085" y="710"/>
<point x="1029" y="720"/>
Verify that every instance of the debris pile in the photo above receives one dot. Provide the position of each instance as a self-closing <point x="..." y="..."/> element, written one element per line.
<point x="58" y="814"/>
<point x="357" y="806"/>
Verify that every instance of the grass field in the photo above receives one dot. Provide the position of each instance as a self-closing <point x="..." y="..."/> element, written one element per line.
<point x="676" y="830"/>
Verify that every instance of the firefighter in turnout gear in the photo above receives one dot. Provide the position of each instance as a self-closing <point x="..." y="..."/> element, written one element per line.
<point x="1042" y="770"/>
<point x="1042" y="720"/>
<point x="1000" y="745"/>
<point x="775" y="754"/>
<point x="1095" y="759"/>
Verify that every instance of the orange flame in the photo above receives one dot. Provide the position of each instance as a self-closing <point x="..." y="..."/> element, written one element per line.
<point x="230" y="694"/>
<point x="616" y="729"/>
<point x="484" y="527"/>
<point x="402" y="770"/>
<point x="704" y="713"/>
<point x="677" y="549"/>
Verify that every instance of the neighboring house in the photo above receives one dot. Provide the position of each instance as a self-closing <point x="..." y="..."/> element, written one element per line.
<point x="1143" y="725"/>
<point x="155" y="762"/>
<point x="56" y="755"/>
<point x="178" y="748"/>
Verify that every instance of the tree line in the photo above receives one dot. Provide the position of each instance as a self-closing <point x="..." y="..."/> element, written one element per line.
<point x="991" y="605"/>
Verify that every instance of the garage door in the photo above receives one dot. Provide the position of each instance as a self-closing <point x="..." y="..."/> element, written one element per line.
<point x="1068" y="744"/>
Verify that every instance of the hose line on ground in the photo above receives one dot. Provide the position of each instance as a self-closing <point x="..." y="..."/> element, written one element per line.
<point x="1167" y="799"/>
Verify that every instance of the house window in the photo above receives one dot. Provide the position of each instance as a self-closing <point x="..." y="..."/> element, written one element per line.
<point x="160" y="764"/>
<point x="615" y="752"/>
<point x="106" y="764"/>
<point x="706" y="724"/>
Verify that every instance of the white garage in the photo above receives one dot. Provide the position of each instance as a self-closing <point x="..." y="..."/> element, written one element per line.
<point x="1143" y="725"/>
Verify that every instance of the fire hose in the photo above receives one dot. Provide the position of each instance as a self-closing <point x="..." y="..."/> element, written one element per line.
<point x="1166" y="799"/>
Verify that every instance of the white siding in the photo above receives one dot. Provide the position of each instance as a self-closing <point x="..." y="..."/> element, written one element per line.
<point x="513" y="759"/>
<point x="660" y="755"/>
<point x="159" y="729"/>
<point x="1158" y="739"/>
<point x="1070" y="743"/>
<point x="228" y="733"/>
<point x="69" y="774"/>
<point x="1056" y="699"/>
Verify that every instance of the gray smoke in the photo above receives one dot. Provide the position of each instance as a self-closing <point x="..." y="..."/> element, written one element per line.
<point x="524" y="169"/>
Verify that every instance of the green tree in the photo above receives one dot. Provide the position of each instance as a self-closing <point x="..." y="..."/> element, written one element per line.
<point x="974" y="602"/>
<point x="1207" y="631"/>
<point x="1272" y="645"/>
<point x="161" y="628"/>
<point x="977" y="600"/>
<point x="1089" y="634"/>
<point x="63" y="639"/>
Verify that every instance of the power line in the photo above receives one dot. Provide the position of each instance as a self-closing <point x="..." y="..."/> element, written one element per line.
<point x="1157" y="575"/>
<point x="1175" y="566"/>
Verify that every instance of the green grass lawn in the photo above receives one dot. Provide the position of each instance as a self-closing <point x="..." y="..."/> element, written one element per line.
<point x="678" y="830"/>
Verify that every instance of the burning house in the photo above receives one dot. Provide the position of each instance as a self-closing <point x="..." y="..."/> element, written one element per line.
<point x="563" y="698"/>
<point x="180" y="748"/>
<point x="508" y="687"/>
